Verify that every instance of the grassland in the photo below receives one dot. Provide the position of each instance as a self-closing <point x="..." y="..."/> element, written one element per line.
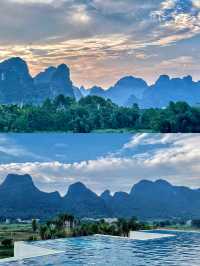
<point x="17" y="232"/>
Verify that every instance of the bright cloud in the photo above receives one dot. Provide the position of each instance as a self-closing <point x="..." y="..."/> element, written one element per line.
<point x="174" y="157"/>
<point x="110" y="38"/>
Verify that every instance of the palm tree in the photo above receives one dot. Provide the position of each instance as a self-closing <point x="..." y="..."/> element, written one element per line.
<point x="34" y="225"/>
<point x="71" y="221"/>
<point x="43" y="232"/>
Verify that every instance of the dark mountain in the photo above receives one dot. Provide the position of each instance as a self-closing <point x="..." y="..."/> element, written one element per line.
<point x="97" y="91"/>
<point x="18" y="87"/>
<point x="157" y="199"/>
<point x="20" y="198"/>
<point x="126" y="87"/>
<point x="84" y="91"/>
<point x="175" y="89"/>
<point x="16" y="84"/>
<point x="106" y="196"/>
<point x="54" y="81"/>
<point x="122" y="91"/>
<point x="130" y="90"/>
<point x="81" y="201"/>
<point x="77" y="93"/>
<point x="45" y="76"/>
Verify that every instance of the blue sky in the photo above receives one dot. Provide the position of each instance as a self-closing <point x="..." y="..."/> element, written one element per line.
<point x="101" y="161"/>
<point x="102" y="41"/>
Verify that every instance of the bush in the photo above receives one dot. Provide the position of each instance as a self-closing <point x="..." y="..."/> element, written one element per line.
<point x="32" y="238"/>
<point x="7" y="243"/>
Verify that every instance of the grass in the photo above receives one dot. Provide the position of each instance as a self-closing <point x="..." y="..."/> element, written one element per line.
<point x="123" y="130"/>
<point x="17" y="232"/>
<point x="6" y="252"/>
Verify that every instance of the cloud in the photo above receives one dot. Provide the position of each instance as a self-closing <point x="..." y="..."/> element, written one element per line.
<point x="110" y="38"/>
<point x="178" y="20"/>
<point x="32" y="1"/>
<point x="174" y="157"/>
<point x="196" y="3"/>
<point x="136" y="140"/>
<point x="10" y="150"/>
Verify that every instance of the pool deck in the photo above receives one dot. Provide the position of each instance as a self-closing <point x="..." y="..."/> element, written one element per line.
<point x="142" y="235"/>
<point x="24" y="250"/>
<point x="145" y="235"/>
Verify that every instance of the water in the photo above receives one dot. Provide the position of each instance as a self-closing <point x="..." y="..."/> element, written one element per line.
<point x="182" y="250"/>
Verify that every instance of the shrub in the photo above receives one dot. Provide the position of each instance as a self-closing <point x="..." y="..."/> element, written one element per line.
<point x="7" y="242"/>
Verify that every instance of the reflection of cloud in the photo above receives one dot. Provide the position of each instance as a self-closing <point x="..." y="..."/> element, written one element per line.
<point x="168" y="159"/>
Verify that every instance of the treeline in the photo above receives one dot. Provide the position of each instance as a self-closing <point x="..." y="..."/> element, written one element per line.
<point x="68" y="226"/>
<point x="95" y="113"/>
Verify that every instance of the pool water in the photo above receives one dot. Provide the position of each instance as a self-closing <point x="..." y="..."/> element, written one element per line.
<point x="181" y="250"/>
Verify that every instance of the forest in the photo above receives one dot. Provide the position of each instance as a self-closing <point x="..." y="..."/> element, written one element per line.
<point x="95" y="114"/>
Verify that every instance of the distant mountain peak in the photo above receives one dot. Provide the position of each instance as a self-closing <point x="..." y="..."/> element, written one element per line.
<point x="162" y="182"/>
<point x="106" y="195"/>
<point x="16" y="64"/>
<point x="77" y="187"/>
<point x="120" y="195"/>
<point x="130" y="80"/>
<point x="148" y="200"/>
<point x="188" y="79"/>
<point x="14" y="60"/>
<point x="143" y="184"/>
<point x="63" y="68"/>
<point x="163" y="79"/>
<point x="45" y="76"/>
<point x="15" y="179"/>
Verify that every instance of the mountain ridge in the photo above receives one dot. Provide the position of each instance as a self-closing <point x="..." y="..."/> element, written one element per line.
<point x="19" y="197"/>
<point x="53" y="81"/>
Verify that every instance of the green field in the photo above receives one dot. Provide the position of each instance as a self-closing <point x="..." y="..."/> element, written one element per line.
<point x="17" y="232"/>
<point x="123" y="130"/>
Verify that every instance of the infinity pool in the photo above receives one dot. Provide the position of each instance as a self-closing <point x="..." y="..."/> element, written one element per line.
<point x="181" y="250"/>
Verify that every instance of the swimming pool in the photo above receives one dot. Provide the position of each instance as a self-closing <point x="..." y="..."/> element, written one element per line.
<point x="182" y="250"/>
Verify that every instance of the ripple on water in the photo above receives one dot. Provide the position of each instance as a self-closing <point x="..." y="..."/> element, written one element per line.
<point x="182" y="250"/>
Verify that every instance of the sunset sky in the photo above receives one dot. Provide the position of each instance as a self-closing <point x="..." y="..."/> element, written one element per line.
<point x="102" y="41"/>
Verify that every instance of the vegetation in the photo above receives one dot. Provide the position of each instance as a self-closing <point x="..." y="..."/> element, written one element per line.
<point x="34" y="225"/>
<point x="9" y="233"/>
<point x="67" y="226"/>
<point x="7" y="242"/>
<point x="94" y="113"/>
<point x="196" y="223"/>
<point x="59" y="227"/>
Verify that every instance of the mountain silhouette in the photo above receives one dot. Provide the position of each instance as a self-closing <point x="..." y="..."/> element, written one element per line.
<point x="20" y="198"/>
<point x="18" y="87"/>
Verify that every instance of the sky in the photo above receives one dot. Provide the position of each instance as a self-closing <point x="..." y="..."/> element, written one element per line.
<point x="101" y="161"/>
<point x="101" y="41"/>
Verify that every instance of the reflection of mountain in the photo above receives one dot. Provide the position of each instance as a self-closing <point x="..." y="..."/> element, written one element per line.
<point x="17" y="86"/>
<point x="148" y="200"/>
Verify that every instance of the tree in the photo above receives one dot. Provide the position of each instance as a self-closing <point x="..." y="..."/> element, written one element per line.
<point x="43" y="232"/>
<point x="196" y="223"/>
<point x="34" y="225"/>
<point x="7" y="242"/>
